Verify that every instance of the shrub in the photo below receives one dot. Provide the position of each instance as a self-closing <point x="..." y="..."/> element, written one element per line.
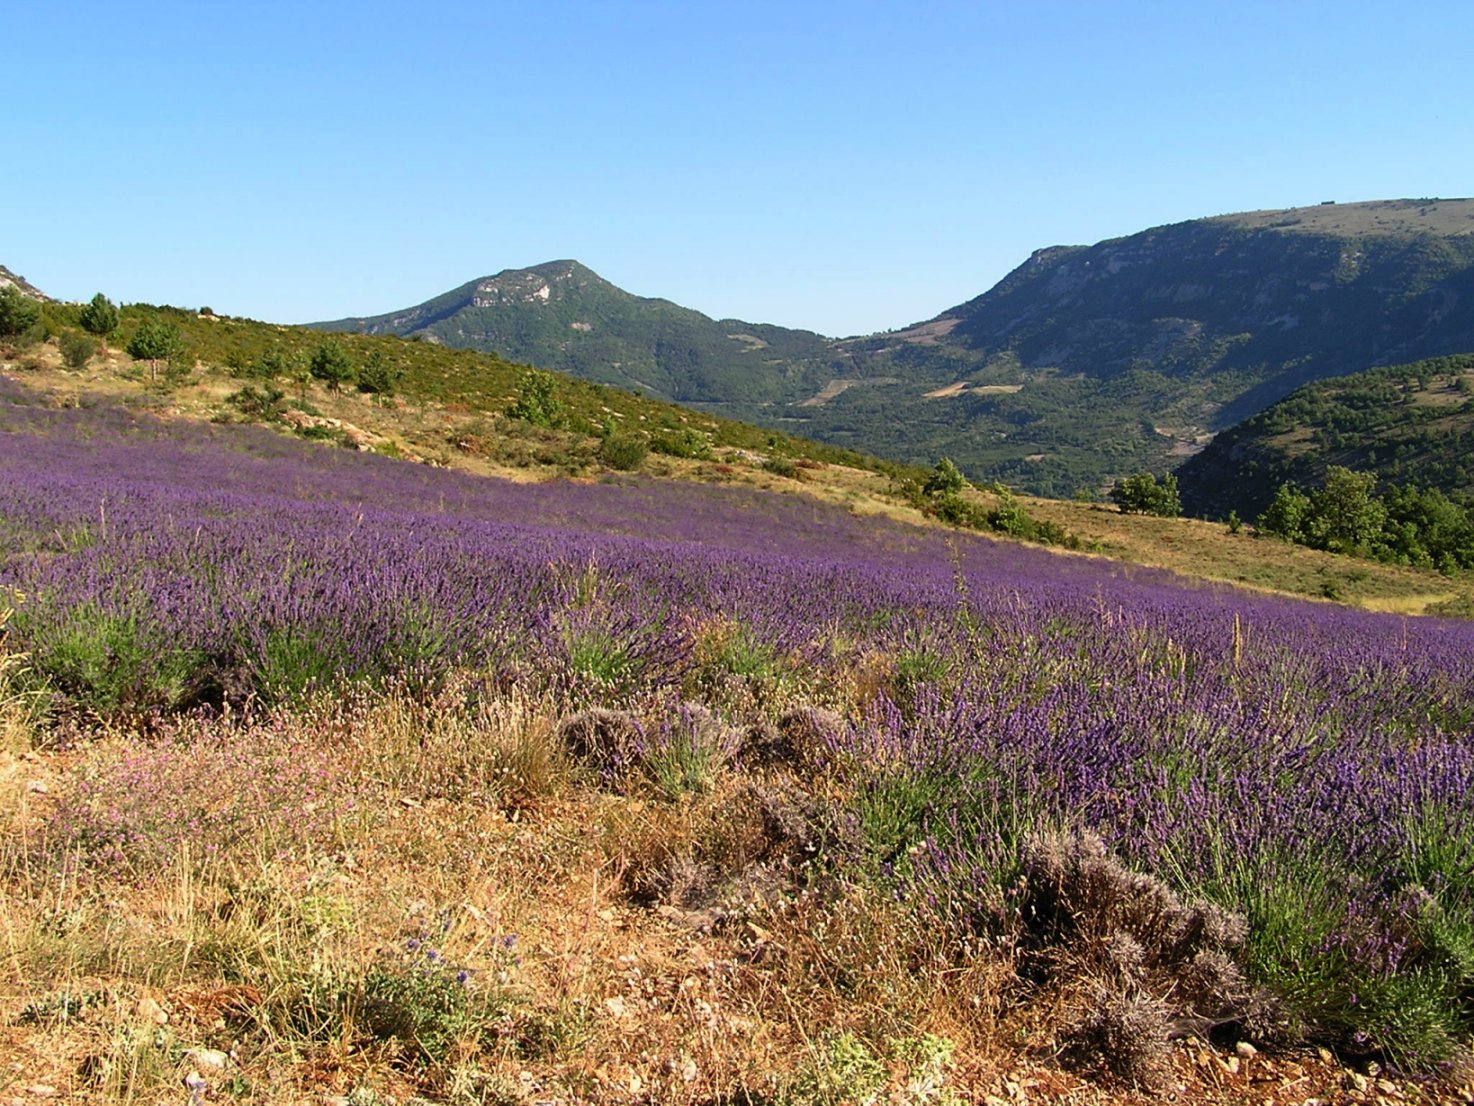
<point x="18" y="312"/>
<point x="944" y="480"/>
<point x="688" y="443"/>
<point x="624" y="452"/>
<point x="537" y="399"/>
<point x="76" y="348"/>
<point x="266" y="402"/>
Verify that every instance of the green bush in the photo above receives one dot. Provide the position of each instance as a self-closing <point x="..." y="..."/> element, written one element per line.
<point x="624" y="452"/>
<point x="18" y="312"/>
<point x="944" y="480"/>
<point x="688" y="443"/>
<point x="537" y="400"/>
<point x="263" y="403"/>
<point x="76" y="348"/>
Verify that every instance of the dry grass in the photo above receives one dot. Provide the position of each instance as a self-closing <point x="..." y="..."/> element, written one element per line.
<point x="383" y="897"/>
<point x="1206" y="550"/>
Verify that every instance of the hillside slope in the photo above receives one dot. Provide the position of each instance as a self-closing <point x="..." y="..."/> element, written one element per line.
<point x="1409" y="424"/>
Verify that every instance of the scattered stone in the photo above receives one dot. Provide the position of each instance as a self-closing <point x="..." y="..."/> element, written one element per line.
<point x="1387" y="1087"/>
<point x="41" y="1090"/>
<point x="1246" y="1050"/>
<point x="211" y="1059"/>
<point x="38" y="787"/>
<point x="1230" y="1065"/>
<point x="148" y="1008"/>
<point x="1325" y="1056"/>
<point x="1355" y="1081"/>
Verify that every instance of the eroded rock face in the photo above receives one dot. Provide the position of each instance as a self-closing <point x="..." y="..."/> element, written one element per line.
<point x="14" y="280"/>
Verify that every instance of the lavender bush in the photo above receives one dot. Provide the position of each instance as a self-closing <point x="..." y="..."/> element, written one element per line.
<point x="1306" y="767"/>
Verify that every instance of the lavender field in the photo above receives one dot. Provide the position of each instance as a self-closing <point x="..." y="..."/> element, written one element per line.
<point x="1003" y="739"/>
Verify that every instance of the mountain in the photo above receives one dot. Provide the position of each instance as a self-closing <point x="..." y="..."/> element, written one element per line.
<point x="1409" y="424"/>
<point x="1084" y="363"/>
<point x="564" y="316"/>
<point x="8" y="279"/>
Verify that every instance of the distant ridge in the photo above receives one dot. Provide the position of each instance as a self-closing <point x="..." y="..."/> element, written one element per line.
<point x="1084" y="363"/>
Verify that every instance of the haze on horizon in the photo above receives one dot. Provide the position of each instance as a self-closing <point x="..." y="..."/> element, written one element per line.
<point x="839" y="167"/>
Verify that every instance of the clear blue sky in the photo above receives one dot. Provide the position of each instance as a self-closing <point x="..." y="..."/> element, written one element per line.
<point x="845" y="167"/>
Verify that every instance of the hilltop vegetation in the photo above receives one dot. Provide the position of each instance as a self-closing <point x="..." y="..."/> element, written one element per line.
<point x="1405" y="424"/>
<point x="1084" y="364"/>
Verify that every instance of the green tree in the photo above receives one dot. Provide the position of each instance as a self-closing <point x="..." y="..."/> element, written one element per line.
<point x="18" y="312"/>
<point x="155" y="341"/>
<point x="271" y="363"/>
<point x="1144" y="494"/>
<point x="945" y="479"/>
<point x="537" y="399"/>
<point x="1345" y="514"/>
<point x="376" y="376"/>
<point x="76" y="348"/>
<point x="1286" y="516"/>
<point x="99" y="317"/>
<point x="332" y="364"/>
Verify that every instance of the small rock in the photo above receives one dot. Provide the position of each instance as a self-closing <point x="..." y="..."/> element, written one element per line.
<point x="1325" y="1055"/>
<point x="1355" y="1081"/>
<point x="1374" y="1069"/>
<point x="148" y="1008"/>
<point x="1387" y="1087"/>
<point x="1231" y="1065"/>
<point x="41" y="1090"/>
<point x="211" y="1059"/>
<point x="38" y="787"/>
<point x="1246" y="1050"/>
